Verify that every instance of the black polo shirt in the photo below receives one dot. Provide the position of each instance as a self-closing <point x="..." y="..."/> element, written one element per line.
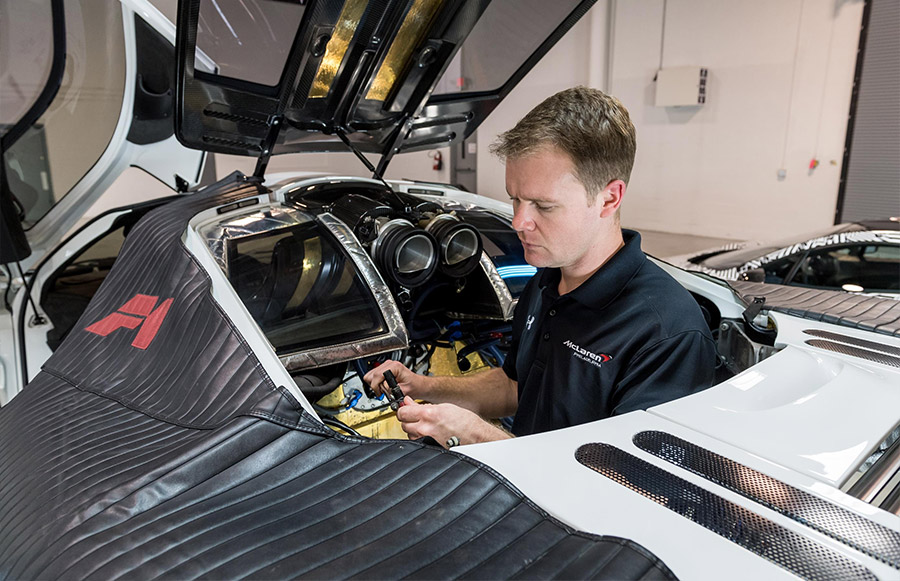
<point x="628" y="338"/>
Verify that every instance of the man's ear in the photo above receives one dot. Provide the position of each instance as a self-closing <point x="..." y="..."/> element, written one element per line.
<point x="611" y="198"/>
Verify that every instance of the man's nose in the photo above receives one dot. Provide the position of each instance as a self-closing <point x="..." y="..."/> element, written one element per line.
<point x="522" y="220"/>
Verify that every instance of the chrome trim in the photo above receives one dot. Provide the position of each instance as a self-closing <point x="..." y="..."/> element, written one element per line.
<point x="253" y="221"/>
<point x="878" y="475"/>
<point x="284" y="187"/>
<point x="396" y="337"/>
<point x="507" y="302"/>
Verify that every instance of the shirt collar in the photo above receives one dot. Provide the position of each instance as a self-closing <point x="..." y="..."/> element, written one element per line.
<point x="604" y="285"/>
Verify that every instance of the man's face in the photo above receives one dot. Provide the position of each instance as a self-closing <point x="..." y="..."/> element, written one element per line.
<point x="557" y="226"/>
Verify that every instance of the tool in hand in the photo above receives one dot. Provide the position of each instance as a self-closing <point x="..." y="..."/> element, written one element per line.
<point x="396" y="394"/>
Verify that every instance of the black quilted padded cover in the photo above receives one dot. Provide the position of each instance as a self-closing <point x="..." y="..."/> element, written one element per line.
<point x="835" y="307"/>
<point x="184" y="461"/>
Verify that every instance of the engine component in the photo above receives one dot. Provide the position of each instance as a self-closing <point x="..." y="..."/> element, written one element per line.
<point x="405" y="254"/>
<point x="460" y="244"/>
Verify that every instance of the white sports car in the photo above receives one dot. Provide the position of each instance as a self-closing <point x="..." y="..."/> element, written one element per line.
<point x="194" y="407"/>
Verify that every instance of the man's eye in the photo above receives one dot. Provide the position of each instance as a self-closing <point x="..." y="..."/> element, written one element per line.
<point x="543" y="207"/>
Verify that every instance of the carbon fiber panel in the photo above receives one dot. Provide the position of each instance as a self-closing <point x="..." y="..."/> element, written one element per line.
<point x="872" y="345"/>
<point x="785" y="548"/>
<point x="835" y="521"/>
<point x="854" y="352"/>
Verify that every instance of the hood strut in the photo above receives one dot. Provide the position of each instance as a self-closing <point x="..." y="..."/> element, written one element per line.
<point x="267" y="145"/>
<point x="375" y="173"/>
<point x="394" y="141"/>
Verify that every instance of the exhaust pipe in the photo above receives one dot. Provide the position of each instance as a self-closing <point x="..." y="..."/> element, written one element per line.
<point x="459" y="243"/>
<point x="405" y="254"/>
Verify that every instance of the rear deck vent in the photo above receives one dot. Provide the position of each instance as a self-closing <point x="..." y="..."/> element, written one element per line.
<point x="818" y="513"/>
<point x="798" y="554"/>
<point x="855" y="352"/>
<point x="873" y="345"/>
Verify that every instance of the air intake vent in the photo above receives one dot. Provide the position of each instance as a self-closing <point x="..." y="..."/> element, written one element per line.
<point x="798" y="554"/>
<point x="815" y="512"/>
<point x="873" y="345"/>
<point x="855" y="352"/>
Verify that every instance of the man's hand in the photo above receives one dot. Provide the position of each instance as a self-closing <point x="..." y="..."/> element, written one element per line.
<point x="442" y="421"/>
<point x="410" y="383"/>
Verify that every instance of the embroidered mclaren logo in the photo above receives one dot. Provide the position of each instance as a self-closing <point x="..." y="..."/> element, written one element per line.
<point x="593" y="358"/>
<point x="140" y="311"/>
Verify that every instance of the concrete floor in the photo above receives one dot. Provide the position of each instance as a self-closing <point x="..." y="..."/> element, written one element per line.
<point x="663" y="244"/>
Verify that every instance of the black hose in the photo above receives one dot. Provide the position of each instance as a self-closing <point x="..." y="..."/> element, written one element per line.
<point x="334" y="423"/>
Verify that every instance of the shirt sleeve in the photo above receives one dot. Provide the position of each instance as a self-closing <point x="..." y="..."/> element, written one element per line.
<point x="672" y="368"/>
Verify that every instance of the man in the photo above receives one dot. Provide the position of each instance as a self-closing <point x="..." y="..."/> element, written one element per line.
<point x="599" y="330"/>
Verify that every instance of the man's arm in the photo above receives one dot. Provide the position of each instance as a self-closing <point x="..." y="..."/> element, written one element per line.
<point x="490" y="394"/>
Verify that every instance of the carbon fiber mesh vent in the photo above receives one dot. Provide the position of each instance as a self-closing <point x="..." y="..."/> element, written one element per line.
<point x="855" y="352"/>
<point x="835" y="521"/>
<point x="873" y="345"/>
<point x="798" y="554"/>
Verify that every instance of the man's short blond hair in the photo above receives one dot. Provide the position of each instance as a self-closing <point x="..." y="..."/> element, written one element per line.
<point x="591" y="127"/>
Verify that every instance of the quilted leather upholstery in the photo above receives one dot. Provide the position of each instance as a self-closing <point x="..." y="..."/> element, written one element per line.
<point x="185" y="461"/>
<point x="839" y="308"/>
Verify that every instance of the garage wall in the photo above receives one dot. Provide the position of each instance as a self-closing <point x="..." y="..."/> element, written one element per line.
<point x="579" y="58"/>
<point x="415" y="166"/>
<point x="780" y="78"/>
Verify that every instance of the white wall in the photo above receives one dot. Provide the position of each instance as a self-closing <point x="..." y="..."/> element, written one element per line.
<point x="416" y="165"/>
<point x="579" y="58"/>
<point x="712" y="170"/>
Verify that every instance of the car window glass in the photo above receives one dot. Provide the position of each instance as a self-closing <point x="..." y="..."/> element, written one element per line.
<point x="301" y="288"/>
<point x="248" y="39"/>
<point x="26" y="55"/>
<point x="508" y="32"/>
<point x="881" y="268"/>
<point x="56" y="152"/>
<point x="778" y="270"/>
<point x="853" y="268"/>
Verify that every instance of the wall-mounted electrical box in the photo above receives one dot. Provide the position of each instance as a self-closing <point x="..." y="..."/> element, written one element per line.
<point x="681" y="86"/>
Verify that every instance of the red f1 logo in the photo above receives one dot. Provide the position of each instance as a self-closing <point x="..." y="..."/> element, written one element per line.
<point x="145" y="317"/>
